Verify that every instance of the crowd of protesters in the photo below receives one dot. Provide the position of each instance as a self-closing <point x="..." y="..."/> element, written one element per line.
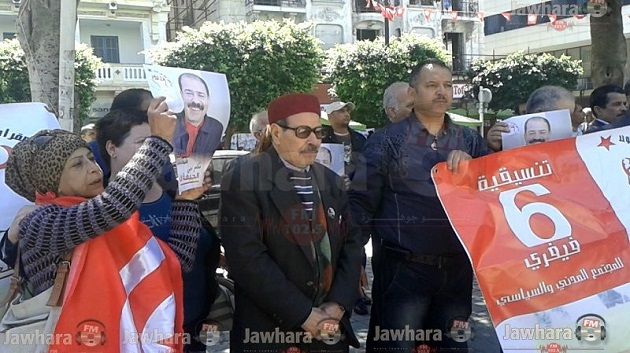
<point x="293" y="231"/>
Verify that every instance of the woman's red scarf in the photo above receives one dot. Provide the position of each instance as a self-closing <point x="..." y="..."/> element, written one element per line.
<point x="123" y="294"/>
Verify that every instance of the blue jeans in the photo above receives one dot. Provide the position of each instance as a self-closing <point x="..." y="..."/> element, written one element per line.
<point x="413" y="300"/>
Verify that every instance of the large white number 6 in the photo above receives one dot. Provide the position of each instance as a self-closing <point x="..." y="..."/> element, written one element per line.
<point x="518" y="219"/>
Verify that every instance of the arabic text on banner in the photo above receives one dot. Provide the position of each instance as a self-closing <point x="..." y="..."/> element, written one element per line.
<point x="546" y="228"/>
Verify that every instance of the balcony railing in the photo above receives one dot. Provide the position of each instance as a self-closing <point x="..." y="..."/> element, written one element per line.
<point x="281" y="3"/>
<point x="461" y="62"/>
<point x="120" y="73"/>
<point x="414" y="3"/>
<point x="466" y="8"/>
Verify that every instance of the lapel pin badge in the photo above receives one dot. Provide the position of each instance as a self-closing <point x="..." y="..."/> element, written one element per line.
<point x="331" y="212"/>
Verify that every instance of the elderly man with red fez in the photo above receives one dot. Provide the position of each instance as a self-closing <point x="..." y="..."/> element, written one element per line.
<point x="289" y="244"/>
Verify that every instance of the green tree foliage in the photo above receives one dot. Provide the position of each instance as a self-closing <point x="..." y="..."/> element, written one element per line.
<point x="14" y="84"/>
<point x="360" y="72"/>
<point x="85" y="66"/>
<point x="515" y="77"/>
<point x="262" y="60"/>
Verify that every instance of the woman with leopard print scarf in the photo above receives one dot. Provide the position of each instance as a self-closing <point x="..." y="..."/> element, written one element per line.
<point x="115" y="258"/>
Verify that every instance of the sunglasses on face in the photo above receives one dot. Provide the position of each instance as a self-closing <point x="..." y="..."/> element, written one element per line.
<point x="304" y="132"/>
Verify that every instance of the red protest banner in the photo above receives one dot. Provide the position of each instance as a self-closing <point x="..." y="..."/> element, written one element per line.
<point x="546" y="228"/>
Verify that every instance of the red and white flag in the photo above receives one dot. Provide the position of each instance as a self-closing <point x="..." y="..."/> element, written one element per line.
<point x="138" y="306"/>
<point x="547" y="230"/>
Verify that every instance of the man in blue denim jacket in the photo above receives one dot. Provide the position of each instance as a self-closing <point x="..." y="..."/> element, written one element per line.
<point x="422" y="276"/>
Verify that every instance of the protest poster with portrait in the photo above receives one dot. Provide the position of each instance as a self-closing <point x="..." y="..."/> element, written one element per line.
<point x="201" y="102"/>
<point x="536" y="128"/>
<point x="13" y="129"/>
<point x="331" y="155"/>
<point x="547" y="231"/>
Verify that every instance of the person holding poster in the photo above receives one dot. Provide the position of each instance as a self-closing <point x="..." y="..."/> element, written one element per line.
<point x="422" y="287"/>
<point x="543" y="99"/>
<point x="196" y="132"/>
<point x="547" y="230"/>
<point x="109" y="246"/>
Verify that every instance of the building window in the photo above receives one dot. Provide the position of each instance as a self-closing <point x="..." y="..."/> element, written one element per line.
<point x="421" y="2"/>
<point x="8" y="35"/>
<point x="367" y="34"/>
<point x="106" y="48"/>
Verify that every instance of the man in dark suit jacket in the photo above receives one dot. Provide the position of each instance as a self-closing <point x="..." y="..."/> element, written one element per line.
<point x="289" y="244"/>
<point x="195" y="132"/>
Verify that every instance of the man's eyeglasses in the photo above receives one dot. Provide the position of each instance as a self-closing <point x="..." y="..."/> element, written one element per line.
<point x="304" y="132"/>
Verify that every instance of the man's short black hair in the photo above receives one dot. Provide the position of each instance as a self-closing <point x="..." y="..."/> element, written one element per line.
<point x="599" y="96"/>
<point x="130" y="98"/>
<point x="193" y="76"/>
<point x="626" y="88"/>
<point x="415" y="74"/>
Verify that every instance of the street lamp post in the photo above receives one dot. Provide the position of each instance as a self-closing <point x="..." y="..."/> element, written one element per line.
<point x="485" y="96"/>
<point x="386" y="24"/>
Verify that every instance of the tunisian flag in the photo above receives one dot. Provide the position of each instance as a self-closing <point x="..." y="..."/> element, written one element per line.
<point x="124" y="294"/>
<point x="546" y="229"/>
